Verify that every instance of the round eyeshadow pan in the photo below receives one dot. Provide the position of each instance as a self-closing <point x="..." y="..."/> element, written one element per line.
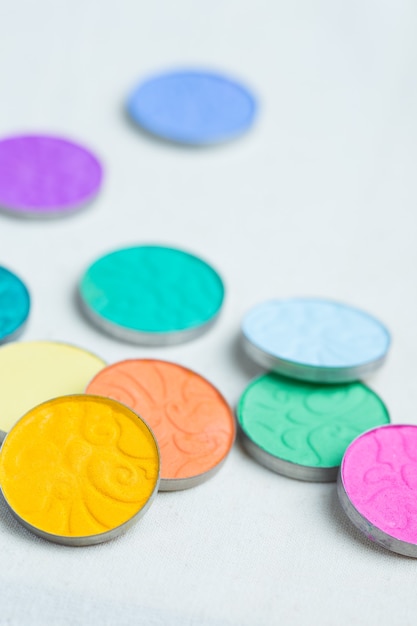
<point x="192" y="107"/>
<point x="377" y="486"/>
<point x="35" y="371"/>
<point x="192" y="422"/>
<point x="79" y="470"/>
<point x="315" y="340"/>
<point x="45" y="176"/>
<point x="302" y="430"/>
<point x="151" y="295"/>
<point x="14" y="305"/>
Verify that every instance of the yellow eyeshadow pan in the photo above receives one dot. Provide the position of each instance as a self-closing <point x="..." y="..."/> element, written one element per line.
<point x="79" y="470"/>
<point x="32" y="372"/>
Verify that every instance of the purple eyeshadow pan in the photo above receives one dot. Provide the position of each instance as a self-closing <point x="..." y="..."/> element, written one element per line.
<point x="46" y="176"/>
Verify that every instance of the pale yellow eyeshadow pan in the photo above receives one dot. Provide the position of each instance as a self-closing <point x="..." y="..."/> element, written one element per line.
<point x="32" y="372"/>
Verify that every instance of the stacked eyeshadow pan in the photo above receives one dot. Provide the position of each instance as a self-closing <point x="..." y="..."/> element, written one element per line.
<point x="299" y="419"/>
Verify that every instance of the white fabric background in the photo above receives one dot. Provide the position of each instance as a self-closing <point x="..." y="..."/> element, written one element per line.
<point x="319" y="199"/>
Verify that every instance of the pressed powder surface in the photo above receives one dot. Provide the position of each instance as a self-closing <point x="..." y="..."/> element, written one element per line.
<point x="42" y="175"/>
<point x="34" y="371"/>
<point x="307" y="424"/>
<point x="14" y="304"/>
<point x="78" y="466"/>
<point x="151" y="290"/>
<point x="379" y="475"/>
<point x="192" y="107"/>
<point x="316" y="333"/>
<point x="193" y="424"/>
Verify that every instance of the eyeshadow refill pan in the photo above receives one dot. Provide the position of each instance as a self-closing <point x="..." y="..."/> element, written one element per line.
<point x="301" y="430"/>
<point x="151" y="295"/>
<point x="377" y="486"/>
<point x="43" y="176"/>
<point x="192" y="107"/>
<point x="79" y="470"/>
<point x="14" y="305"/>
<point x="315" y="340"/>
<point x="35" y="371"/>
<point x="192" y="422"/>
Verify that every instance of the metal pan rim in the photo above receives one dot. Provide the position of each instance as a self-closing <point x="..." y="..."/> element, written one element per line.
<point x="144" y="338"/>
<point x="55" y="213"/>
<point x="369" y="530"/>
<point x="85" y="540"/>
<point x="310" y="373"/>
<point x="181" y="484"/>
<point x="286" y="468"/>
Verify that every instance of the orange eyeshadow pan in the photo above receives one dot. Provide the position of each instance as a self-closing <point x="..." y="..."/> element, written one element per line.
<point x="192" y="422"/>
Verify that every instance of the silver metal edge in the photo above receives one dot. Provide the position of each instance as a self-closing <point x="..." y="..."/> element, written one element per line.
<point x="310" y="373"/>
<point x="287" y="468"/>
<point x="180" y="484"/>
<point x="88" y="540"/>
<point x="197" y="145"/>
<point x="144" y="338"/>
<point x="370" y="531"/>
<point x="56" y="213"/>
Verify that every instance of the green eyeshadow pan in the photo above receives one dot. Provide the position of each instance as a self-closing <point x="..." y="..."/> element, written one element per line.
<point x="302" y="430"/>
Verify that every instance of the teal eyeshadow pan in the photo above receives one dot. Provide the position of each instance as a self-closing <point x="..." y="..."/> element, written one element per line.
<point x="151" y="295"/>
<point x="302" y="430"/>
<point x="14" y="305"/>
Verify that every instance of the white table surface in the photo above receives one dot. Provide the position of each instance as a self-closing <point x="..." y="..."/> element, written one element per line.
<point x="319" y="199"/>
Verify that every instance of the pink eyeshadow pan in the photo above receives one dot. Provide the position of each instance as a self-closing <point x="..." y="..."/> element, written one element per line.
<point x="377" y="486"/>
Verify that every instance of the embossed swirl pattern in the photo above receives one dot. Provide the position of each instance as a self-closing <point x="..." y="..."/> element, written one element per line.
<point x="44" y="173"/>
<point x="307" y="424"/>
<point x="316" y="332"/>
<point x="14" y="303"/>
<point x="152" y="289"/>
<point x="379" y="474"/>
<point x="78" y="466"/>
<point x="193" y="424"/>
